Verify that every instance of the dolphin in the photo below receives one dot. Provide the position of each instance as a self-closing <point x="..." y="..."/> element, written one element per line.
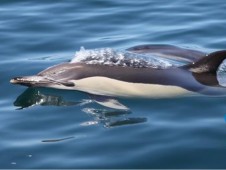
<point x="197" y="76"/>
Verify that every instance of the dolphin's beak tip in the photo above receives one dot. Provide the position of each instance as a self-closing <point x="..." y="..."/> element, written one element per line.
<point x="20" y="80"/>
<point x="28" y="80"/>
<point x="13" y="80"/>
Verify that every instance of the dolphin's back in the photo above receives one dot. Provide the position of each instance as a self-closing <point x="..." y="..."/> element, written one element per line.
<point x="168" y="51"/>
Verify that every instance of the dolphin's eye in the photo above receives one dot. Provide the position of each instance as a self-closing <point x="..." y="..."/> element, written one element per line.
<point x="69" y="84"/>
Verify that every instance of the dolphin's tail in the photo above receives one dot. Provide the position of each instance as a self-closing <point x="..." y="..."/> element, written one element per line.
<point x="208" y="64"/>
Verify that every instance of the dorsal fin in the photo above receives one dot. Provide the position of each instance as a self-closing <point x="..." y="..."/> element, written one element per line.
<point x="208" y="64"/>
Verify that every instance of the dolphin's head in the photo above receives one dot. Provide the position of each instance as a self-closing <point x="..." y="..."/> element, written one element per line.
<point x="39" y="81"/>
<point x="58" y="76"/>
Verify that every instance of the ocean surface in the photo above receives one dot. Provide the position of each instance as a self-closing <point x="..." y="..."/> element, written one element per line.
<point x="49" y="128"/>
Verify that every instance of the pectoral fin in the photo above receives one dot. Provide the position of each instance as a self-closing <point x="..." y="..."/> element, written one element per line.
<point x="108" y="102"/>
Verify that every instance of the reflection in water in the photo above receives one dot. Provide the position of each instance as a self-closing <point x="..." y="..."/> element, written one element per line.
<point x="112" y="118"/>
<point x="58" y="140"/>
<point x="127" y="121"/>
<point x="114" y="113"/>
<point x="33" y="96"/>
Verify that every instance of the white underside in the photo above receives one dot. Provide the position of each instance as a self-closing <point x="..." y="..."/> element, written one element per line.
<point x="112" y="87"/>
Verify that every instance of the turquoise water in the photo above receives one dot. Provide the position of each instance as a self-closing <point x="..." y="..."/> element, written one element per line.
<point x="48" y="128"/>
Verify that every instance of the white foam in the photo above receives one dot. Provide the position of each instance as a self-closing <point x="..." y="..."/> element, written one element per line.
<point x="111" y="57"/>
<point x="221" y="74"/>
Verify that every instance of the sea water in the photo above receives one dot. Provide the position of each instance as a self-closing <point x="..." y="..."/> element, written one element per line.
<point x="49" y="128"/>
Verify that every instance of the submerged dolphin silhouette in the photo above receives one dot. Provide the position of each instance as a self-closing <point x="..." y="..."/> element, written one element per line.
<point x="199" y="75"/>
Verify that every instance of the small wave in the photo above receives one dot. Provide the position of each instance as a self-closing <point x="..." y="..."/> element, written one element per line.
<point x="111" y="57"/>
